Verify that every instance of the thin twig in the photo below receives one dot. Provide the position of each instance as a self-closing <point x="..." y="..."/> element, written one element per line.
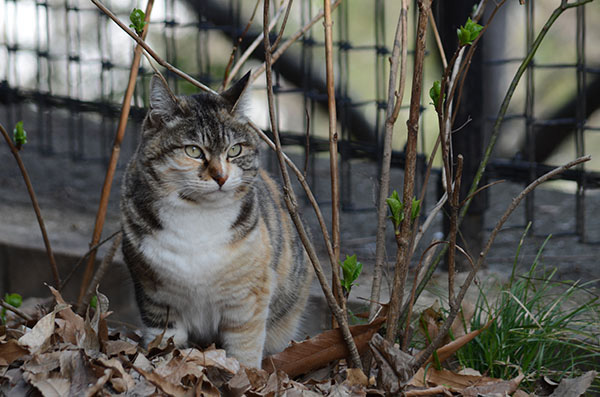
<point x="398" y="60"/>
<point x="36" y="206"/>
<point x="259" y="39"/>
<point x="401" y="268"/>
<point x="283" y="24"/>
<point x="438" y="39"/>
<point x="454" y="207"/>
<point x="424" y="355"/>
<point x="333" y="158"/>
<point x="150" y="51"/>
<point x="237" y="44"/>
<point x="106" y="262"/>
<point x="16" y="311"/>
<point x="83" y="258"/>
<point x="307" y="145"/>
<point x="499" y="118"/>
<point x="114" y="156"/>
<point x="286" y="44"/>
<point x="291" y="203"/>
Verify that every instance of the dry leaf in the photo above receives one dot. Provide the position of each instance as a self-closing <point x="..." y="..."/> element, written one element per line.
<point x="162" y="383"/>
<point x="11" y="351"/>
<point x="574" y="387"/>
<point x="453" y="381"/>
<point x="320" y="350"/>
<point x="50" y="385"/>
<point x="74" y="366"/>
<point x="395" y="366"/>
<point x="99" y="383"/>
<point x="355" y="376"/>
<point x="448" y="350"/>
<point x="500" y="388"/>
<point x="121" y="380"/>
<point x="116" y="347"/>
<point x="38" y="338"/>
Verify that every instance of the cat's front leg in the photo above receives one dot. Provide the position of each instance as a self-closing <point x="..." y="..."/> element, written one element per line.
<point x="244" y="336"/>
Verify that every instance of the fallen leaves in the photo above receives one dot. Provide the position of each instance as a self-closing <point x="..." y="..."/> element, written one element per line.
<point x="64" y="354"/>
<point x="317" y="352"/>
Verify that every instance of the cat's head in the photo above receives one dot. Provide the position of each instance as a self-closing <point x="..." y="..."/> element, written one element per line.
<point x="199" y="146"/>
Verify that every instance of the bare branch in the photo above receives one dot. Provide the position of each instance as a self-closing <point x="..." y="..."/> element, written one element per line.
<point x="292" y="205"/>
<point x="36" y="206"/>
<point x="15" y="310"/>
<point x="333" y="158"/>
<point x="150" y="51"/>
<point x="114" y="156"/>
<point x="424" y="355"/>
<point x="251" y="48"/>
<point x="398" y="60"/>
<point x="401" y="269"/>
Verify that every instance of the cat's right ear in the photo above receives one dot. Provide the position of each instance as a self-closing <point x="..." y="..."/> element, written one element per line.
<point x="162" y="101"/>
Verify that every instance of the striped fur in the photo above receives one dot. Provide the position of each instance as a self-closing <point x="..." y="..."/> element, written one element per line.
<point x="212" y="252"/>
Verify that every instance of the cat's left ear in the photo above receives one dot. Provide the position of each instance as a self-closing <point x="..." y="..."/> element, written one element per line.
<point x="235" y="95"/>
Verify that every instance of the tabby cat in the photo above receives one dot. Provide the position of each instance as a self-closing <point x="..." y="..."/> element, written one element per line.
<point x="209" y="244"/>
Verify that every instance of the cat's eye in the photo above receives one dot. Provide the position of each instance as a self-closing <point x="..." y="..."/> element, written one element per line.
<point x="235" y="150"/>
<point x="193" y="151"/>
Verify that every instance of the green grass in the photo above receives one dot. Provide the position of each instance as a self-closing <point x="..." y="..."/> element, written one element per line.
<point x="542" y="327"/>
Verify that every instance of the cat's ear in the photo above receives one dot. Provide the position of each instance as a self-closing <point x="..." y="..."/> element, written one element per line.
<point x="234" y="96"/>
<point x="162" y="100"/>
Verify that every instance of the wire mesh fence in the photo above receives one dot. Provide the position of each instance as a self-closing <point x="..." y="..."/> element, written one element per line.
<point x="67" y="63"/>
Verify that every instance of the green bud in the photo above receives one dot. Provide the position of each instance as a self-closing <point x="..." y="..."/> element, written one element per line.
<point x="19" y="135"/>
<point x="435" y="91"/>
<point x="15" y="300"/>
<point x="468" y="32"/>
<point x="137" y="17"/>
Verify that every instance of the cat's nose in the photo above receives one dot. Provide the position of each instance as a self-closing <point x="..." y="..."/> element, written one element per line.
<point x="220" y="178"/>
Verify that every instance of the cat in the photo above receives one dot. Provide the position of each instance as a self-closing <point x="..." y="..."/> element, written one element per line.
<point x="210" y="246"/>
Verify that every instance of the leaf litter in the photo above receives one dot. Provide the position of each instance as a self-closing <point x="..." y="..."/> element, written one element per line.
<point x="64" y="354"/>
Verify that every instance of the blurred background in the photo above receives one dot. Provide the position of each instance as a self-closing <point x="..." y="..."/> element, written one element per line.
<point x="64" y="67"/>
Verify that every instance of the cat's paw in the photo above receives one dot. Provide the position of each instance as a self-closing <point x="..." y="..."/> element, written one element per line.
<point x="179" y="335"/>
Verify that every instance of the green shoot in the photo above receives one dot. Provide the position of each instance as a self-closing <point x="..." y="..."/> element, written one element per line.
<point x="397" y="209"/>
<point x="19" y="135"/>
<point x="415" y="208"/>
<point x="137" y="17"/>
<point x="468" y="32"/>
<point x="94" y="301"/>
<point x="435" y="92"/>
<point x="351" y="269"/>
<point x="15" y="300"/>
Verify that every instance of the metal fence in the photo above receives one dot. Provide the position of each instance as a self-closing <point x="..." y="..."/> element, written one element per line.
<point x="65" y="54"/>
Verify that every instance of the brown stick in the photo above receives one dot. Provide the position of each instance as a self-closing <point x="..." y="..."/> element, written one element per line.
<point x="140" y="42"/>
<point x="36" y="207"/>
<point x="398" y="60"/>
<point x="401" y="268"/>
<point x="100" y="272"/>
<point x="114" y="156"/>
<point x="286" y="44"/>
<point x="424" y="355"/>
<point x="454" y="207"/>
<point x="16" y="311"/>
<point x="93" y="248"/>
<point x="292" y="205"/>
<point x="240" y="62"/>
<point x="333" y="157"/>
<point x="237" y="44"/>
<point x="283" y="23"/>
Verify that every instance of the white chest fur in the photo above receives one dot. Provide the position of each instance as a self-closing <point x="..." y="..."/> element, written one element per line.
<point x="192" y="245"/>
